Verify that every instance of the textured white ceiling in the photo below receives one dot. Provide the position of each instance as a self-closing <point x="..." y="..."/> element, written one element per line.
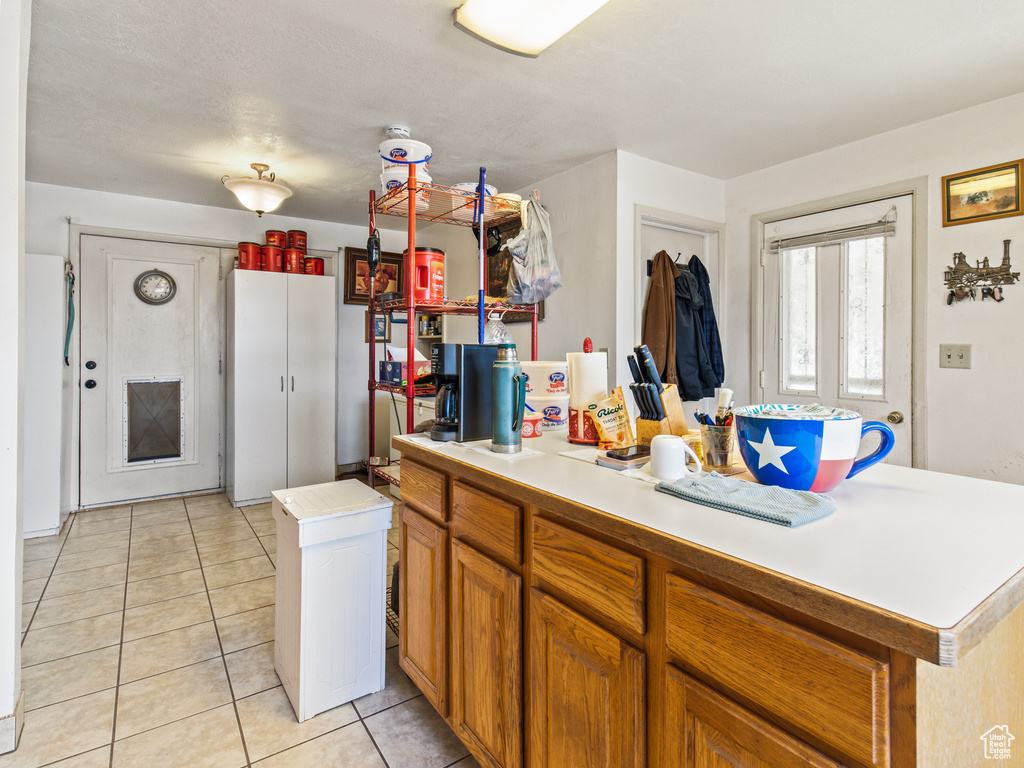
<point x="160" y="99"/>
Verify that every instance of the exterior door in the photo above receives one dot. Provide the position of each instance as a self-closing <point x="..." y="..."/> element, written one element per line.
<point x="152" y="393"/>
<point x="838" y="317"/>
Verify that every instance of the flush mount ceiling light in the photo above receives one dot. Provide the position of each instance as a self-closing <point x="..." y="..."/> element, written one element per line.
<point x="526" y="27"/>
<point x="259" y="194"/>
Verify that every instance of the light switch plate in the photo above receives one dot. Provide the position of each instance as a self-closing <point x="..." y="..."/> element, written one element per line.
<point x="954" y="355"/>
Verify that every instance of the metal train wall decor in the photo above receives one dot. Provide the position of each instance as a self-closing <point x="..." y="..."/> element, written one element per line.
<point x="965" y="277"/>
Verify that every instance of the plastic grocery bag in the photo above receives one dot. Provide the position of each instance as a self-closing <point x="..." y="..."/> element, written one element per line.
<point x="533" y="275"/>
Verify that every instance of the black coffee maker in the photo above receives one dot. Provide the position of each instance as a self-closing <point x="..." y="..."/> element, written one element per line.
<point x="462" y="373"/>
<point x="442" y="367"/>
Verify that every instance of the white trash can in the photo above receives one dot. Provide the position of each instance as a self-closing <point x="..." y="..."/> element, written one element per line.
<point x="330" y="591"/>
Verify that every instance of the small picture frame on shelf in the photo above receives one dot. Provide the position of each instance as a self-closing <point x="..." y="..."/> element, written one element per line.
<point x="389" y="277"/>
<point x="992" y="192"/>
<point x="381" y="329"/>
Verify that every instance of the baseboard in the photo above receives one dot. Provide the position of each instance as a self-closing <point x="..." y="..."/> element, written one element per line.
<point x="10" y="726"/>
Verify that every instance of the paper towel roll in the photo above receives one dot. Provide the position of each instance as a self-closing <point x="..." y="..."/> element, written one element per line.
<point x="588" y="377"/>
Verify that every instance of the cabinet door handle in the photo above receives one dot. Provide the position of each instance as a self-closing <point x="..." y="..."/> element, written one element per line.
<point x="282" y="383"/>
<point x="293" y="383"/>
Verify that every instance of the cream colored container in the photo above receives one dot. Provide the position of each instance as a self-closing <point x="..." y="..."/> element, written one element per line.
<point x="547" y="378"/>
<point x="554" y="409"/>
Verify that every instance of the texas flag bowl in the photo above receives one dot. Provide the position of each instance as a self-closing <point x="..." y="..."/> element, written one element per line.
<point x="805" y="447"/>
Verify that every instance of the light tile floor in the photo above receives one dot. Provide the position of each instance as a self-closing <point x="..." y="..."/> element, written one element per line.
<point x="148" y="636"/>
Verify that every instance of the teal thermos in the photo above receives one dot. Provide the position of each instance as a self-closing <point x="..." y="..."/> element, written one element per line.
<point x="508" y="400"/>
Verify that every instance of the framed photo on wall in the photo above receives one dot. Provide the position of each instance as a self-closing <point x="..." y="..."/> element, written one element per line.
<point x="381" y="329"/>
<point x="982" y="194"/>
<point x="496" y="280"/>
<point x="390" y="278"/>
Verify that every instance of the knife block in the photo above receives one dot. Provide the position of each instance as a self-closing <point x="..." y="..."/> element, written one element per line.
<point x="674" y="422"/>
<point x="647" y="430"/>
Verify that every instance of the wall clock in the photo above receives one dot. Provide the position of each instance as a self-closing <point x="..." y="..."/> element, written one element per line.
<point x="155" y="287"/>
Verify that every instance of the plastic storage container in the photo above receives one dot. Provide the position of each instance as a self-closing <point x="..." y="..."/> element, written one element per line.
<point x="331" y="568"/>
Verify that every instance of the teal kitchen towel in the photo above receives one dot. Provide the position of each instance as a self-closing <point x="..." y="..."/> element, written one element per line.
<point x="781" y="506"/>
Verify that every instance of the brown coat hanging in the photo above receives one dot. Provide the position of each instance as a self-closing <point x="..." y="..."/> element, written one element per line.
<point x="659" y="321"/>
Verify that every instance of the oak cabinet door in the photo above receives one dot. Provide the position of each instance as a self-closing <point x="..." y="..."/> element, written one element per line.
<point x="587" y="707"/>
<point x="486" y="661"/>
<point x="703" y="729"/>
<point x="423" y="606"/>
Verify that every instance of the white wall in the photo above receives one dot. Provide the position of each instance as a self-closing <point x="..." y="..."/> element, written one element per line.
<point x="592" y="209"/>
<point x="45" y="323"/>
<point x="581" y="204"/>
<point x="49" y="207"/>
<point x="974" y="424"/>
<point x="14" y="44"/>
<point x="654" y="185"/>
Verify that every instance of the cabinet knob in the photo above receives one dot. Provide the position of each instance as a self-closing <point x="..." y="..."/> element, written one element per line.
<point x="90" y="384"/>
<point x="895" y="418"/>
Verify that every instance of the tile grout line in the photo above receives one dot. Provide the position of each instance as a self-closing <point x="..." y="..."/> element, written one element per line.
<point x="120" y="647"/>
<point x="220" y="643"/>
<point x="73" y="519"/>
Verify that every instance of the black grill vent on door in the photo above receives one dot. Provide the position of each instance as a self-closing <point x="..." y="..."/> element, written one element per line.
<point x="154" y="420"/>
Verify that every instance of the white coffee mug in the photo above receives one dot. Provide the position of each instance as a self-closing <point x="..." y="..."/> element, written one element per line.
<point x="670" y="458"/>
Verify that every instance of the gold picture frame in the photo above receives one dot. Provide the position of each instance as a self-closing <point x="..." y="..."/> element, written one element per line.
<point x="382" y="329"/>
<point x="992" y="192"/>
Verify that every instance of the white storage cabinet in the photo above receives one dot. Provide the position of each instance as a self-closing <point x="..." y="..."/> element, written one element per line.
<point x="281" y="383"/>
<point x="331" y="569"/>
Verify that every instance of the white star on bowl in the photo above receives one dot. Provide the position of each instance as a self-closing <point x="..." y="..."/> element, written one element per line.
<point x="770" y="453"/>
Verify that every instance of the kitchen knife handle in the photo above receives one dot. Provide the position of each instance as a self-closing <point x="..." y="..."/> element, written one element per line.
<point x="634" y="369"/>
<point x="649" y="394"/>
<point x="659" y="409"/>
<point x="652" y="370"/>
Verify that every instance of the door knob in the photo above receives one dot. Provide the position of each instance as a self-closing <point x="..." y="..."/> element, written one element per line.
<point x="91" y="364"/>
<point x="895" y="418"/>
<point x="90" y="384"/>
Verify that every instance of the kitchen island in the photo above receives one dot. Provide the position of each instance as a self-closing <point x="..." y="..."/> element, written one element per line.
<point x="558" y="613"/>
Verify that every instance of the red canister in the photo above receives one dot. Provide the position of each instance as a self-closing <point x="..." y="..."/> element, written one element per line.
<point x="428" y="274"/>
<point x="249" y="255"/>
<point x="293" y="260"/>
<point x="277" y="237"/>
<point x="297" y="239"/>
<point x="272" y="258"/>
<point x="314" y="266"/>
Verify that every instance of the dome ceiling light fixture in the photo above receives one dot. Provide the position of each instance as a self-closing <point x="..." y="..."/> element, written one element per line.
<point x="260" y="194"/>
<point x="526" y="27"/>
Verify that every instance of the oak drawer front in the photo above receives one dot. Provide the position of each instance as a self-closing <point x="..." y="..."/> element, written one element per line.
<point x="424" y="490"/>
<point x="606" y="579"/>
<point x="492" y="524"/>
<point x="829" y="693"/>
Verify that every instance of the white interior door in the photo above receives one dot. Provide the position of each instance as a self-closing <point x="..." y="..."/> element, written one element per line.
<point x="152" y="392"/>
<point x="838" y="318"/>
<point x="681" y="243"/>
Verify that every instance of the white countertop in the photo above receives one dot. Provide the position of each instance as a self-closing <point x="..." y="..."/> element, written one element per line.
<point x="924" y="545"/>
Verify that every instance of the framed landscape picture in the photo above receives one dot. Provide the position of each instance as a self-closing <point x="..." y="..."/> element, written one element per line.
<point x="381" y="329"/>
<point x="390" y="278"/>
<point x="982" y="194"/>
